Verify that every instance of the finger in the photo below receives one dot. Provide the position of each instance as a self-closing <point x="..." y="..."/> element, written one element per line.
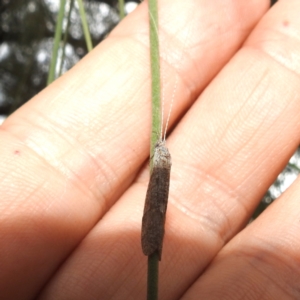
<point x="247" y="136"/>
<point x="262" y="262"/>
<point x="246" y="267"/>
<point x="108" y="256"/>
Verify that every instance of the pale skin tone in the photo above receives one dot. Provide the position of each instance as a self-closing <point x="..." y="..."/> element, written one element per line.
<point x="74" y="171"/>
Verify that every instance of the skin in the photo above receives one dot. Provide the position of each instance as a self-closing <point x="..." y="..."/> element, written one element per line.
<point x="74" y="168"/>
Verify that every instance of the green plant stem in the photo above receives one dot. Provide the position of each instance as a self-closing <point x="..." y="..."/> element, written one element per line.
<point x="121" y="9"/>
<point x="85" y="27"/>
<point x="57" y="38"/>
<point x="153" y="260"/>
<point x="152" y="281"/>
<point x="155" y="75"/>
<point x="65" y="37"/>
<point x="293" y="166"/>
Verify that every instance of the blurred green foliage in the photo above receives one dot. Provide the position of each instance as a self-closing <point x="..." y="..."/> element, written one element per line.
<point x="26" y="38"/>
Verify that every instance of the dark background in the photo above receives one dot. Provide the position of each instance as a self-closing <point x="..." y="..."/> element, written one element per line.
<point x="26" y="38"/>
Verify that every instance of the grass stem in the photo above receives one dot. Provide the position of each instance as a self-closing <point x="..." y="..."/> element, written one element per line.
<point x="155" y="75"/>
<point x="85" y="27"/>
<point x="57" y="38"/>
<point x="65" y="38"/>
<point x="153" y="260"/>
<point x="152" y="280"/>
<point x="121" y="9"/>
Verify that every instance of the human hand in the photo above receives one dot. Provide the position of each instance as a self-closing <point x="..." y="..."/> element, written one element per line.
<point x="72" y="198"/>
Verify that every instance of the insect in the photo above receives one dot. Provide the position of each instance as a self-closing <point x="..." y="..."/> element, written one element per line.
<point x="153" y="222"/>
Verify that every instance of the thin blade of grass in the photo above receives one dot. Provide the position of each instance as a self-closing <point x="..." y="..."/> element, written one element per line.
<point x="65" y="38"/>
<point x="155" y="75"/>
<point x="57" y="38"/>
<point x="153" y="260"/>
<point x="121" y="5"/>
<point x="85" y="27"/>
<point x="152" y="280"/>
